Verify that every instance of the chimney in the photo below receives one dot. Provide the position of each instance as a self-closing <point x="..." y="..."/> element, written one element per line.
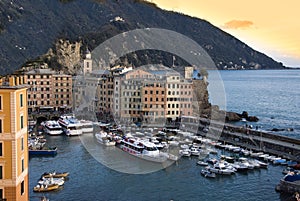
<point x="11" y="81"/>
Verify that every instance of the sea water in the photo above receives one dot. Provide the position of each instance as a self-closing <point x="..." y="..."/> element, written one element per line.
<point x="271" y="95"/>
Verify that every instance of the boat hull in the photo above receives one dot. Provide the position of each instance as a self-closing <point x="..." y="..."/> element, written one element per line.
<point x="43" y="152"/>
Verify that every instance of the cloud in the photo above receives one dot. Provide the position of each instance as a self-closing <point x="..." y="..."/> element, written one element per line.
<point x="238" y="24"/>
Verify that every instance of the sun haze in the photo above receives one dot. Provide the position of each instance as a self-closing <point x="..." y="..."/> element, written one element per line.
<point x="271" y="27"/>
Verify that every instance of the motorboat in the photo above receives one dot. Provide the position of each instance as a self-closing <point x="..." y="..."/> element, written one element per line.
<point x="202" y="163"/>
<point x="52" y="128"/>
<point x="105" y="139"/>
<point x="143" y="149"/>
<point x="220" y="168"/>
<point x="71" y="126"/>
<point x="262" y="164"/>
<point x="195" y="151"/>
<point x="207" y="173"/>
<point x="87" y="126"/>
<point x="185" y="152"/>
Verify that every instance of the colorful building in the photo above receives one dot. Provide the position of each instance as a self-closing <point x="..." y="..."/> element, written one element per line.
<point x="48" y="90"/>
<point x="13" y="139"/>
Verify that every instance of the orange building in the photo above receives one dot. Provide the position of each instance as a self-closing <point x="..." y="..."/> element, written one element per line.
<point x="13" y="139"/>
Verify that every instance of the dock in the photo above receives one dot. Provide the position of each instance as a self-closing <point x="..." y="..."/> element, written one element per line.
<point x="251" y="139"/>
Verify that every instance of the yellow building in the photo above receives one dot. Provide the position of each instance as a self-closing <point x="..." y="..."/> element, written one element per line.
<point x="13" y="139"/>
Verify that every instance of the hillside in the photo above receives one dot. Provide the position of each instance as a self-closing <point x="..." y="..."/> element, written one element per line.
<point x="29" y="28"/>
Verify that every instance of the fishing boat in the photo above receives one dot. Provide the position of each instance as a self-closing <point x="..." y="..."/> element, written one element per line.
<point x="143" y="149"/>
<point x="53" y="128"/>
<point x="45" y="188"/>
<point x="71" y="126"/>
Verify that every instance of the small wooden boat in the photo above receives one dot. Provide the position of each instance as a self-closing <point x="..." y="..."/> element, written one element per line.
<point x="45" y="188"/>
<point x="55" y="174"/>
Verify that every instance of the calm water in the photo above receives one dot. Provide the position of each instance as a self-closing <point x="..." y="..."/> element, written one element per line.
<point x="268" y="94"/>
<point x="273" y="96"/>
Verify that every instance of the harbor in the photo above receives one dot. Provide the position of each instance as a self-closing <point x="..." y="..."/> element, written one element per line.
<point x="99" y="181"/>
<point x="225" y="153"/>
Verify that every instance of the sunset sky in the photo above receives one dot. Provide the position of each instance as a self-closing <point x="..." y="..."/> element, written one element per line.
<point x="271" y="27"/>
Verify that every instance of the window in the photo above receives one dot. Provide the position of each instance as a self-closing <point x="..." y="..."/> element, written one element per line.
<point x="21" y="100"/>
<point x="1" y="193"/>
<point x="0" y="125"/>
<point x="0" y="102"/>
<point x="1" y="172"/>
<point x="22" y="122"/>
<point x="23" y="165"/>
<point x="22" y="144"/>
<point x="1" y="151"/>
<point x="22" y="188"/>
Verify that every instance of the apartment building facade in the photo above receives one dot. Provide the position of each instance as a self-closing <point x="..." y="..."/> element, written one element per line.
<point x="13" y="139"/>
<point x="48" y="90"/>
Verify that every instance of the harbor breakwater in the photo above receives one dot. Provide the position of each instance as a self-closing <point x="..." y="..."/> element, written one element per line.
<point x="251" y="139"/>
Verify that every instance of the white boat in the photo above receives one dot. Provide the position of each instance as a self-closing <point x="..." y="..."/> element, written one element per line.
<point x="143" y="149"/>
<point x="185" y="152"/>
<point x="202" y="163"/>
<point x="71" y="126"/>
<point x="195" y="151"/>
<point x="51" y="181"/>
<point x="246" y="163"/>
<point x="53" y="128"/>
<point x="262" y="164"/>
<point x="220" y="168"/>
<point x="87" y="126"/>
<point x="105" y="139"/>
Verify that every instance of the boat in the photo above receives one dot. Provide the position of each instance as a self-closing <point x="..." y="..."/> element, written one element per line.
<point x="195" y="151"/>
<point x="288" y="170"/>
<point x="55" y="174"/>
<point x="142" y="149"/>
<point x="207" y="173"/>
<point x="51" y="180"/>
<point x="43" y="151"/>
<point x="220" y="168"/>
<point x="202" y="163"/>
<point x="262" y="164"/>
<point x="71" y="126"/>
<point x="105" y="139"/>
<point x="45" y="188"/>
<point x="53" y="128"/>
<point x="185" y="152"/>
<point x="87" y="126"/>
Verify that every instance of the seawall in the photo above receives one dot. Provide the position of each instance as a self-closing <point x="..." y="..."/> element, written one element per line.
<point x="251" y="139"/>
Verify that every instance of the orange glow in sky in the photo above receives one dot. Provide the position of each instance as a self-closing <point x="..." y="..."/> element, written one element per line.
<point x="271" y="27"/>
